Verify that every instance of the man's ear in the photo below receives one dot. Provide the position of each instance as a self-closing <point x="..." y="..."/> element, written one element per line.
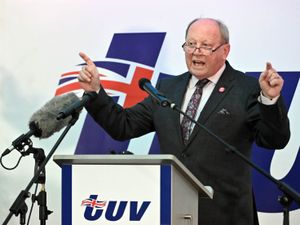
<point x="226" y="50"/>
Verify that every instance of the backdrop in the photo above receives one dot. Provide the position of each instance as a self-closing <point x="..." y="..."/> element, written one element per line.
<point x="39" y="46"/>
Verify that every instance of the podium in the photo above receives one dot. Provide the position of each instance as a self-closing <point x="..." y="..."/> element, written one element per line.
<point x="128" y="189"/>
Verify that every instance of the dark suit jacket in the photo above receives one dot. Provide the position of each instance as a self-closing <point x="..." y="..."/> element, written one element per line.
<point x="234" y="115"/>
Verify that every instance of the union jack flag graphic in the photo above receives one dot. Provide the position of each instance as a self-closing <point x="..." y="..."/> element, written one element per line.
<point x="90" y="202"/>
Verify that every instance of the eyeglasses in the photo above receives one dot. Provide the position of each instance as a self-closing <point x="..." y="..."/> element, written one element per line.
<point x="190" y="47"/>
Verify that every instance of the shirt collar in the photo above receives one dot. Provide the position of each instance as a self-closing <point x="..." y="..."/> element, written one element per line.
<point x="213" y="79"/>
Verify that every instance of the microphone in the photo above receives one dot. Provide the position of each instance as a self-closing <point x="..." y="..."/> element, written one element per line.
<point x="43" y="123"/>
<point x="77" y="105"/>
<point x="45" y="118"/>
<point x="146" y="85"/>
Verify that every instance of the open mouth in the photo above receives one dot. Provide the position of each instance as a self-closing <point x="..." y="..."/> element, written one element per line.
<point x="198" y="63"/>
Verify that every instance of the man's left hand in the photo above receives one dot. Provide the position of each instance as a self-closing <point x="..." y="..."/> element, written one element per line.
<point x="270" y="82"/>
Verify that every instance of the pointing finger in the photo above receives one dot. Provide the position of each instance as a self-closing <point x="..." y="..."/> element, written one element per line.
<point x="269" y="66"/>
<point x="86" y="58"/>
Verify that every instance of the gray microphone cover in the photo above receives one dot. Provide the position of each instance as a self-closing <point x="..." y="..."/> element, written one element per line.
<point x="45" y="118"/>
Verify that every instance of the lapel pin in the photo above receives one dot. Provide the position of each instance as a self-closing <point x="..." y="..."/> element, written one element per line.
<point x="221" y="89"/>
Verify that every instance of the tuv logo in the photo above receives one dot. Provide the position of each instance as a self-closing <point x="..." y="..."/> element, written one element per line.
<point x="113" y="210"/>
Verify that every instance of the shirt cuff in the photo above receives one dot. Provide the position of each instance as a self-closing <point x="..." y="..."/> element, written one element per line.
<point x="95" y="91"/>
<point x="266" y="101"/>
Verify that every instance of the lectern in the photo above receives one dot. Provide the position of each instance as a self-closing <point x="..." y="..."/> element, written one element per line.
<point x="128" y="189"/>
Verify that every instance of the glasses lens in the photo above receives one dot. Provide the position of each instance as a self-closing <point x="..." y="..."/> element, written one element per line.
<point x="189" y="48"/>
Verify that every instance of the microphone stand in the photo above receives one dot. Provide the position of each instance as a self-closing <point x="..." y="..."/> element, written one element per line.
<point x="19" y="206"/>
<point x="41" y="198"/>
<point x="289" y="194"/>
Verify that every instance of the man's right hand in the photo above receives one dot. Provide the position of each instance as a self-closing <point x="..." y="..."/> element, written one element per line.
<point x="89" y="76"/>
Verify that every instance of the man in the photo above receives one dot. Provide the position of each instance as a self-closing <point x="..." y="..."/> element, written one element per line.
<point x="235" y="107"/>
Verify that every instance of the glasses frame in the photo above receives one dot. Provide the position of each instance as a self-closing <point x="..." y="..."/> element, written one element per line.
<point x="201" y="48"/>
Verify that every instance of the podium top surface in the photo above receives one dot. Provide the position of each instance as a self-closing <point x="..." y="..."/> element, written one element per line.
<point x="204" y="191"/>
<point x="116" y="159"/>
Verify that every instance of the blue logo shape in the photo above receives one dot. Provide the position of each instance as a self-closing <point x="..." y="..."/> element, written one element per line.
<point x="133" y="48"/>
<point x="113" y="212"/>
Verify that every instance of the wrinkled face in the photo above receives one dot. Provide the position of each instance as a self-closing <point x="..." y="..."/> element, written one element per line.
<point x="205" y="34"/>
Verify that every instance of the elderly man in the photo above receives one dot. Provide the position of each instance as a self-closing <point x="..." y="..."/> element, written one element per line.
<point x="237" y="108"/>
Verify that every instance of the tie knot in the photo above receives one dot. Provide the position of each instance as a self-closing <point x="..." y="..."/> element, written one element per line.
<point x="202" y="83"/>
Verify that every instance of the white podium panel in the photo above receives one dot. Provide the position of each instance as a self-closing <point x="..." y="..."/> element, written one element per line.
<point x="108" y="194"/>
<point x="125" y="190"/>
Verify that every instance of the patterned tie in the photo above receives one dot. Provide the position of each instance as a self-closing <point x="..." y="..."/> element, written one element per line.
<point x="186" y="124"/>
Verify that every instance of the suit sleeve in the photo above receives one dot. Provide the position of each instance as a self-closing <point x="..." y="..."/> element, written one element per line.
<point x="120" y="123"/>
<point x="270" y="123"/>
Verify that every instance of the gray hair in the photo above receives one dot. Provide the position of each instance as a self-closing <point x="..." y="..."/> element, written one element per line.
<point x="223" y="28"/>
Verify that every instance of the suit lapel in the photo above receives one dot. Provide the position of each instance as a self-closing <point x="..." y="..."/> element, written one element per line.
<point x="177" y="97"/>
<point x="225" y="82"/>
